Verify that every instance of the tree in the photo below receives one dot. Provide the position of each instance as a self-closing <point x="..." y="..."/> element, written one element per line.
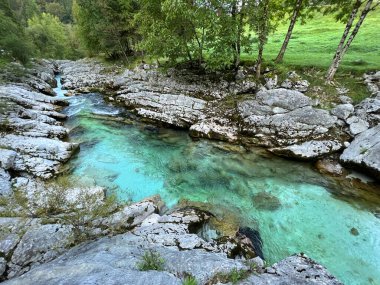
<point x="48" y="35"/>
<point x="298" y="9"/>
<point x="349" y="11"/>
<point x="106" y="26"/>
<point x="263" y="18"/>
<point x="207" y="33"/>
<point x="13" y="42"/>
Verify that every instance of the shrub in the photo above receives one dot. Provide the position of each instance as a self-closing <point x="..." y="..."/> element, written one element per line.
<point x="151" y="260"/>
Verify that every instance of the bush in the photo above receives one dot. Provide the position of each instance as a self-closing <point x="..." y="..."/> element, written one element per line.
<point x="151" y="260"/>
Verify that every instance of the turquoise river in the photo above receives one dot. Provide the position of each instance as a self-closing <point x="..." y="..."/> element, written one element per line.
<point x="294" y="208"/>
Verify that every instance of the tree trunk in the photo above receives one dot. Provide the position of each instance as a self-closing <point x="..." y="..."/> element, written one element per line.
<point x="293" y="21"/>
<point x="259" y="61"/>
<point x="340" y="50"/>
<point x="239" y="33"/>
<point x="263" y="34"/>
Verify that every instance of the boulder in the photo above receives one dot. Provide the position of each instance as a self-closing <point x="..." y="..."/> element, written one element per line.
<point x="7" y="158"/>
<point x="285" y="121"/>
<point x="364" y="152"/>
<point x="343" y="111"/>
<point x="357" y="125"/>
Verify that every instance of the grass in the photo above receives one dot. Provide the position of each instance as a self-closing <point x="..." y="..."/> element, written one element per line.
<point x="189" y="280"/>
<point x="314" y="44"/>
<point x="151" y="260"/>
<point x="234" y="276"/>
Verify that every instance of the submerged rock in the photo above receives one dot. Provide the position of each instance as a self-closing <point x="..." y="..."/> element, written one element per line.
<point x="266" y="201"/>
<point x="254" y="239"/>
<point x="330" y="167"/>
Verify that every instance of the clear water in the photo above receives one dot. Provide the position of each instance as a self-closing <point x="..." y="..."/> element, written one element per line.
<point x="298" y="211"/>
<point x="58" y="90"/>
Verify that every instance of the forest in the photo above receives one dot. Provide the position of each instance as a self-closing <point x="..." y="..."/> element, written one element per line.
<point x="207" y="34"/>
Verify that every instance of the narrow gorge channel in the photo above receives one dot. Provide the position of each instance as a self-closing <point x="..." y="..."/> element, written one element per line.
<point x="294" y="208"/>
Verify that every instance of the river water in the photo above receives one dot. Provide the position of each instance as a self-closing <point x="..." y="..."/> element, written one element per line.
<point x="293" y="207"/>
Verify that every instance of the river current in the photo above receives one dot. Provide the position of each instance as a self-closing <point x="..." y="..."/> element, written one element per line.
<point x="294" y="208"/>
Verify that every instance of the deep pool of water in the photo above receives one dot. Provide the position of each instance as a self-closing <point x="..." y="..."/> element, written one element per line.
<point x="291" y="205"/>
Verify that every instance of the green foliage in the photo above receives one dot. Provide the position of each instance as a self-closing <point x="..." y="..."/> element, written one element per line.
<point x="190" y="280"/>
<point x="13" y="42"/>
<point x="151" y="260"/>
<point x="24" y="10"/>
<point x="48" y="35"/>
<point x="106" y="26"/>
<point x="208" y="33"/>
<point x="60" y="8"/>
<point x="234" y="276"/>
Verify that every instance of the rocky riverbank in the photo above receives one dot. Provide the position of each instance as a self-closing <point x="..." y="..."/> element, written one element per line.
<point x="72" y="234"/>
<point x="276" y="115"/>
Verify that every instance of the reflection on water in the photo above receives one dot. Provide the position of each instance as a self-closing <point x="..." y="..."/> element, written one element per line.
<point x="292" y="206"/>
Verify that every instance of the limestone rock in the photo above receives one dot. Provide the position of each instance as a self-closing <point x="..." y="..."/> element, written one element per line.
<point x="343" y="111"/>
<point x="215" y="128"/>
<point x="357" y="125"/>
<point x="369" y="111"/>
<point x="372" y="80"/>
<point x="285" y="121"/>
<point x="7" y="158"/>
<point x="297" y="270"/>
<point x="8" y="243"/>
<point x="309" y="149"/>
<point x="271" y="81"/>
<point x="3" y="266"/>
<point x="177" y="110"/>
<point x="40" y="244"/>
<point x="5" y="183"/>
<point x="295" y="82"/>
<point x="129" y="216"/>
<point x="40" y="156"/>
<point x="364" y="152"/>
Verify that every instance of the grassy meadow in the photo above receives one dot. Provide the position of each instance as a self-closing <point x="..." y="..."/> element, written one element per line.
<point x="314" y="44"/>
